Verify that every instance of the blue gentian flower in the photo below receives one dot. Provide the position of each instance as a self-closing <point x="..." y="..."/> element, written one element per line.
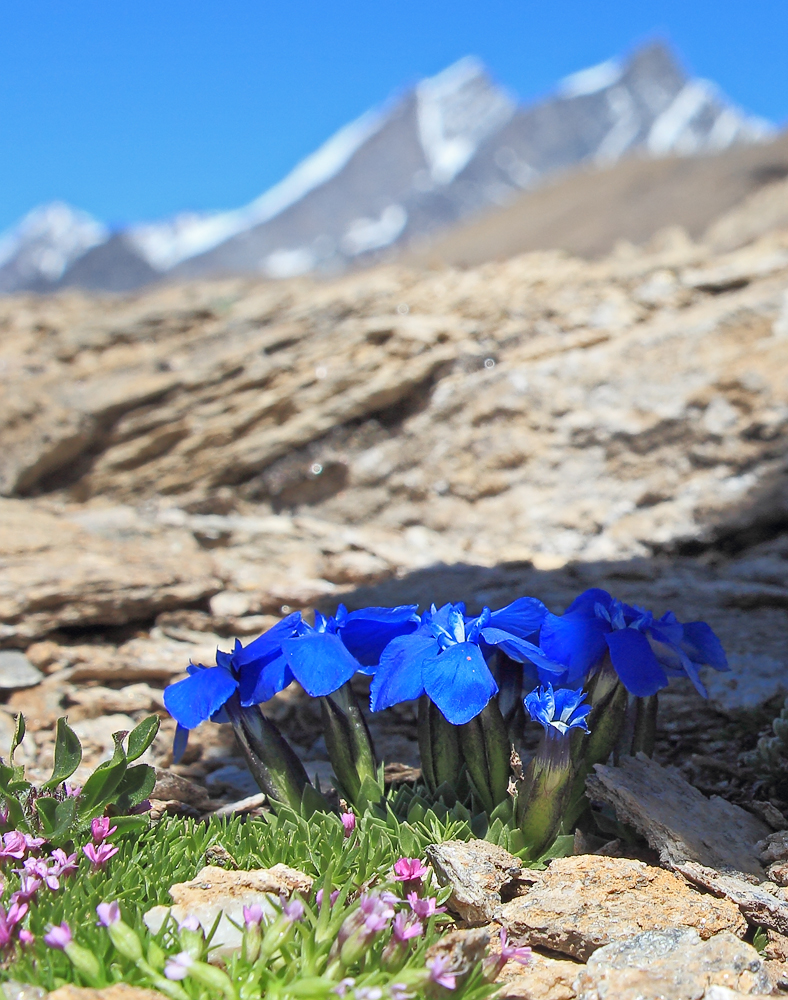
<point x="643" y="650"/>
<point x="325" y="656"/>
<point x="205" y="692"/>
<point x="558" y="711"/>
<point x="444" y="658"/>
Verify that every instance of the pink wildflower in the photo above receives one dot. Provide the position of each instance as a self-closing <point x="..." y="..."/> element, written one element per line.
<point x="409" y="870"/>
<point x="424" y="908"/>
<point x="178" y="966"/>
<point x="100" y="829"/>
<point x="293" y="910"/>
<point x="39" y="869"/>
<point x="26" y="936"/>
<point x="64" y="864"/>
<point x="108" y="913"/>
<point x="58" y="937"/>
<point x="514" y="952"/>
<point x="99" y="856"/>
<point x="348" y="822"/>
<point x="253" y="915"/>
<point x="331" y="899"/>
<point x="405" y="928"/>
<point x="439" y="972"/>
<point x="14" y="845"/>
<point x="28" y="887"/>
<point x="33" y="843"/>
<point x="72" y="791"/>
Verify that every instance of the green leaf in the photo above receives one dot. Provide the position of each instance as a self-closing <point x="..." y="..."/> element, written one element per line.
<point x="135" y="787"/>
<point x="64" y="818"/>
<point x="68" y="754"/>
<point x="19" y="735"/>
<point x="131" y="824"/>
<point x="141" y="737"/>
<point x="46" y="807"/>
<point x="100" y="787"/>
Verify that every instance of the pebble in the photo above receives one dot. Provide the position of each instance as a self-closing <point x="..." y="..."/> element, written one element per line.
<point x="16" y="671"/>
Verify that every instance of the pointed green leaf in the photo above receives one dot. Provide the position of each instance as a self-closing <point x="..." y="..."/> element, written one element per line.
<point x="141" y="737"/>
<point x="19" y="735"/>
<point x="135" y="787"/>
<point x="64" y="818"/>
<point x="98" y="790"/>
<point x="68" y="754"/>
<point x="130" y="824"/>
<point x="46" y="807"/>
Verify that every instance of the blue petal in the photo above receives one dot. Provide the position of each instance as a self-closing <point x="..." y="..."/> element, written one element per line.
<point x="366" y="633"/>
<point x="703" y="647"/>
<point x="635" y="663"/>
<point x="320" y="662"/>
<point x="575" y="640"/>
<point x="179" y="743"/>
<point x="262" y="681"/>
<point x="522" y="617"/>
<point x="269" y="643"/>
<point x="587" y="601"/>
<point x="399" y="675"/>
<point x="195" y="699"/>
<point x="459" y="682"/>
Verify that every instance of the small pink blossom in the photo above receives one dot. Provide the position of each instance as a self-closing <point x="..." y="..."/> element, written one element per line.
<point x="178" y="966"/>
<point x="26" y="936"/>
<point x="72" y="791"/>
<point x="331" y="899"/>
<point x="190" y="923"/>
<point x="28" y="887"/>
<point x="39" y="869"/>
<point x="439" y="973"/>
<point x="64" y="864"/>
<point x="405" y="928"/>
<point x="58" y="937"/>
<point x="409" y="870"/>
<point x="14" y="845"/>
<point x="293" y="910"/>
<point x="348" y="822"/>
<point x="99" y="856"/>
<point x="100" y="829"/>
<point x="424" y="908"/>
<point x="108" y="913"/>
<point x="253" y="915"/>
<point x="343" y="986"/>
<point x="33" y="843"/>
<point x="513" y="952"/>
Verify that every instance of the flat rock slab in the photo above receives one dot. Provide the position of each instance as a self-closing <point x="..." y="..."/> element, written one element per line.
<point x="760" y="904"/>
<point x="545" y="978"/>
<point x="216" y="890"/>
<point x="753" y="681"/>
<point x="476" y="872"/>
<point x="16" y="671"/>
<point x="677" y="820"/>
<point x="673" y="964"/>
<point x="583" y="903"/>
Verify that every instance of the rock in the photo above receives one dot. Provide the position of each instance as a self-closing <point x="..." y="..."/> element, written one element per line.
<point x="758" y="903"/>
<point x="55" y="574"/>
<point x="753" y="682"/>
<point x="582" y="903"/>
<point x="778" y="872"/>
<point x="13" y="990"/>
<point x="247" y="805"/>
<point x="233" y="779"/>
<point x="676" y="819"/>
<point x="92" y="702"/>
<point x="118" y="991"/>
<point x="461" y="949"/>
<point x="172" y="787"/>
<point x="545" y="978"/>
<point x="95" y="735"/>
<point x="16" y="671"/>
<point x="672" y="964"/>
<point x="230" y="604"/>
<point x="476" y="871"/>
<point x="774" y="847"/>
<point x="216" y="890"/>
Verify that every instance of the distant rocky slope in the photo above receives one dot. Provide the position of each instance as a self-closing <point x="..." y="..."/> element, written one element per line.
<point x="454" y="146"/>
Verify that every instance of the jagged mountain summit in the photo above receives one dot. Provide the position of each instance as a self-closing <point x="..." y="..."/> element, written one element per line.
<point x="454" y="146"/>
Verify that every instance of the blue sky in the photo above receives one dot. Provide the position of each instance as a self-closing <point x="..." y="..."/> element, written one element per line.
<point x="136" y="109"/>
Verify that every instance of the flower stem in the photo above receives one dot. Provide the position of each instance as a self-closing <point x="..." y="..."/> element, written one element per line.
<point x="439" y="746"/>
<point x="487" y="753"/>
<point x="348" y="741"/>
<point x="645" y="735"/>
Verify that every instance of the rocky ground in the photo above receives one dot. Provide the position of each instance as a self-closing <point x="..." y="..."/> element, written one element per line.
<point x="181" y="467"/>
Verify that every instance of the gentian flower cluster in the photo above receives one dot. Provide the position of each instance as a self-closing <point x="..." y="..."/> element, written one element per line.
<point x="575" y="674"/>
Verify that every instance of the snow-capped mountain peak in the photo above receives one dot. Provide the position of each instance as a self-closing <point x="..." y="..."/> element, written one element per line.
<point x="457" y="110"/>
<point x="45" y="242"/>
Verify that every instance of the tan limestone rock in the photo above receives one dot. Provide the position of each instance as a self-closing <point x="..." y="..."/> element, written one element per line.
<point x="476" y="871"/>
<point x="583" y="903"/>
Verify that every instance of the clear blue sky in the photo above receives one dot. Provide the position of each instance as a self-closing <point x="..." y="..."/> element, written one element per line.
<point x="135" y="109"/>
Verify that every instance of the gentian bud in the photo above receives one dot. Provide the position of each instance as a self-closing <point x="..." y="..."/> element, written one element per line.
<point x="348" y="742"/>
<point x="546" y="788"/>
<point x="487" y="752"/>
